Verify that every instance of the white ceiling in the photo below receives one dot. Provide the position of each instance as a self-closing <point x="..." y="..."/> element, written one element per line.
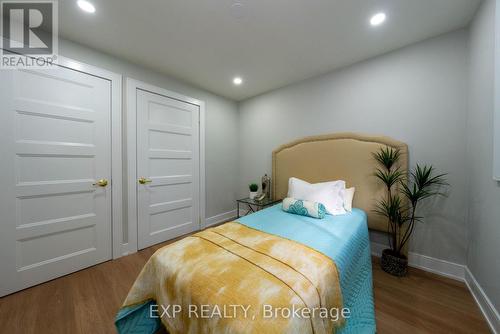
<point x="269" y="43"/>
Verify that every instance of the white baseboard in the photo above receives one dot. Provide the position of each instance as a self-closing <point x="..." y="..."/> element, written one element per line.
<point x="220" y="218"/>
<point x="125" y="250"/>
<point x="437" y="266"/>
<point x="427" y="263"/>
<point x="377" y="248"/>
<point x="485" y="304"/>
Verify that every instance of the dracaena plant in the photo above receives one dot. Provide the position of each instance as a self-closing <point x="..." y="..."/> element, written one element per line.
<point x="404" y="194"/>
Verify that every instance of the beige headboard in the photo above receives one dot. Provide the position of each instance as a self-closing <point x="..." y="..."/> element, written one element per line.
<point x="341" y="156"/>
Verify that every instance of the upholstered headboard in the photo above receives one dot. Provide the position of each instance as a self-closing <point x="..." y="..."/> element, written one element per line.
<point x="341" y="156"/>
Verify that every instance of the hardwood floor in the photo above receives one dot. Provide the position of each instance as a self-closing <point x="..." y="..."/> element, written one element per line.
<point x="424" y="303"/>
<point x="87" y="301"/>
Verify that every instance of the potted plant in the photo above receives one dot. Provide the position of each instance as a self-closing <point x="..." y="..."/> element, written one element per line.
<point x="253" y="190"/>
<point x="404" y="194"/>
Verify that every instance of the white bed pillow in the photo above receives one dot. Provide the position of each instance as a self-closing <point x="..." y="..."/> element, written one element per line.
<point x="327" y="193"/>
<point x="336" y="183"/>
<point x="298" y="189"/>
<point x="348" y="196"/>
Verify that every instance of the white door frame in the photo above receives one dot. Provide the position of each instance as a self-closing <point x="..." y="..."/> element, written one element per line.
<point x="116" y="146"/>
<point x="131" y="87"/>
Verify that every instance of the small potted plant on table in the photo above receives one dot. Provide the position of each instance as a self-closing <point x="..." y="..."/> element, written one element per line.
<point x="253" y="190"/>
<point x="404" y="193"/>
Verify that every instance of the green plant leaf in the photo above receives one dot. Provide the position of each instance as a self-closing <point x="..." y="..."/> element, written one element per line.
<point x="423" y="184"/>
<point x="387" y="156"/>
<point x="390" y="208"/>
<point x="389" y="177"/>
<point x="253" y="187"/>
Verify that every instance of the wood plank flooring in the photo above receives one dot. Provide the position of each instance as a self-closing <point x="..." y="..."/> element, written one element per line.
<point x="87" y="301"/>
<point x="424" y="303"/>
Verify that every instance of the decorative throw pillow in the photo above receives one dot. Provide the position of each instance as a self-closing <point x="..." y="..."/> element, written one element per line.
<point x="304" y="208"/>
<point x="326" y="193"/>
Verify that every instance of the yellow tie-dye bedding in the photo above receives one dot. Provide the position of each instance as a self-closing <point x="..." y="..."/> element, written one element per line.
<point x="234" y="279"/>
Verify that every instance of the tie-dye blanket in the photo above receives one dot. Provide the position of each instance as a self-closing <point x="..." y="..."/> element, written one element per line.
<point x="236" y="279"/>
<point x="342" y="238"/>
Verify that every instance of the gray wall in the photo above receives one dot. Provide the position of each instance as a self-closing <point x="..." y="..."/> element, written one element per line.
<point x="221" y="123"/>
<point x="483" y="257"/>
<point x="417" y="94"/>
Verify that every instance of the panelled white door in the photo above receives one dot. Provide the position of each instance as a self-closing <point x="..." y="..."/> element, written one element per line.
<point x="55" y="143"/>
<point x="168" y="168"/>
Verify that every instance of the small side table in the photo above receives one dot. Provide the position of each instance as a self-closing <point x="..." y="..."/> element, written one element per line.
<point x="251" y="203"/>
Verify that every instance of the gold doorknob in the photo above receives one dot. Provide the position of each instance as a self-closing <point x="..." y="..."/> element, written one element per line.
<point x="101" y="183"/>
<point x="143" y="180"/>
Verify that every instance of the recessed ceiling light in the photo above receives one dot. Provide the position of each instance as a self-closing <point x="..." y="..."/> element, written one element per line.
<point x="237" y="81"/>
<point x="378" y="19"/>
<point x="86" y="6"/>
<point x="238" y="10"/>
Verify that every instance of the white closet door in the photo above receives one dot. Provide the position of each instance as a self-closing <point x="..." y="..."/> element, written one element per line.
<point x="55" y="142"/>
<point x="168" y="163"/>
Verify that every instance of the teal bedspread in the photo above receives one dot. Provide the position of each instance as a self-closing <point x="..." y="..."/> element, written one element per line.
<point x="342" y="238"/>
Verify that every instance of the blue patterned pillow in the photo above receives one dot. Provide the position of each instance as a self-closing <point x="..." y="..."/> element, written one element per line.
<point x="304" y="208"/>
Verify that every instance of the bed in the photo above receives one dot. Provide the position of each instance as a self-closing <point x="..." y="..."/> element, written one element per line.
<point x="301" y="260"/>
